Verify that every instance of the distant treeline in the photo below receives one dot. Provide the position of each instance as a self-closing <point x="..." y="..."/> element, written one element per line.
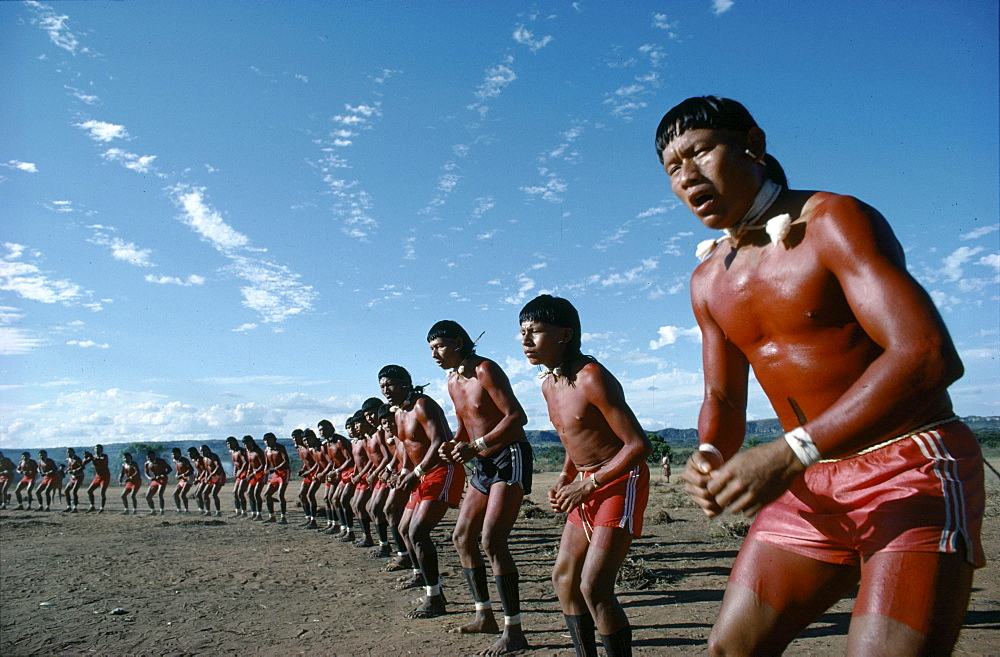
<point x="549" y="453"/>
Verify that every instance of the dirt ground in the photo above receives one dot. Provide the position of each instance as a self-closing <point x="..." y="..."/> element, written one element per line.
<point x="188" y="585"/>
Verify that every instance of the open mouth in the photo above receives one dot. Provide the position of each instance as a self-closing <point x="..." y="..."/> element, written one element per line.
<point x="702" y="199"/>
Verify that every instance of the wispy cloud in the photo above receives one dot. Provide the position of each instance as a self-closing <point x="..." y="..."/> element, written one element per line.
<point x="87" y="344"/>
<point x="668" y="335"/>
<point x="102" y="131"/>
<point x="637" y="274"/>
<point x="193" y="279"/>
<point x="205" y="220"/>
<point x="551" y="189"/>
<point x="17" y="341"/>
<point x="496" y="79"/>
<point x="27" y="167"/>
<point x="122" y="250"/>
<point x="721" y="6"/>
<point x="137" y="163"/>
<point x="54" y="24"/>
<point x="28" y="281"/>
<point x="89" y="99"/>
<point x="523" y="36"/>
<point x="952" y="269"/>
<point x="979" y="232"/>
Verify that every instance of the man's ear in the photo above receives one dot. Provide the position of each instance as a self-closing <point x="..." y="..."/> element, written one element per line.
<point x="756" y="143"/>
<point x="567" y="335"/>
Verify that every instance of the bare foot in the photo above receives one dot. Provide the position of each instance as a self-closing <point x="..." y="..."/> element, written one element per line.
<point x="411" y="582"/>
<point x="431" y="607"/>
<point x="483" y="623"/>
<point x="399" y="563"/>
<point x="510" y="642"/>
<point x="380" y="552"/>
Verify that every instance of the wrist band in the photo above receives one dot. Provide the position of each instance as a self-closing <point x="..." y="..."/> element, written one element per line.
<point x="480" y="444"/>
<point x="596" y="483"/>
<point x="711" y="449"/>
<point x="418" y="471"/>
<point x="564" y="475"/>
<point x="803" y="446"/>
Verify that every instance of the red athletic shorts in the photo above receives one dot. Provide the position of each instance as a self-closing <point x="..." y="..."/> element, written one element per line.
<point x="345" y="475"/>
<point x="100" y="480"/>
<point x="620" y="503"/>
<point x="219" y="480"/>
<point x="48" y="480"/>
<point x="133" y="485"/>
<point x="923" y="493"/>
<point x="278" y="477"/>
<point x="307" y="480"/>
<point x="156" y="482"/>
<point x="27" y="480"/>
<point x="445" y="483"/>
<point x="256" y="478"/>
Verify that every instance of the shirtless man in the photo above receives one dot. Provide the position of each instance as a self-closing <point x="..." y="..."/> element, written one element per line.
<point x="102" y="476"/>
<point x="490" y="430"/>
<point x="395" y="501"/>
<point x="434" y="486"/>
<point x="256" y="465"/>
<point x="215" y="479"/>
<point x="74" y="470"/>
<point x="307" y="488"/>
<point x="333" y="458"/>
<point x="200" y="480"/>
<point x="49" y="472"/>
<point x="185" y="473"/>
<point x="7" y="468"/>
<point x="279" y="471"/>
<point x="27" y="467"/>
<point x="379" y="459"/>
<point x="157" y="471"/>
<point x="604" y="445"/>
<point x="810" y="289"/>
<point x="345" y="488"/>
<point x="362" y="465"/>
<point x="665" y="464"/>
<point x="131" y="477"/>
<point x="239" y="456"/>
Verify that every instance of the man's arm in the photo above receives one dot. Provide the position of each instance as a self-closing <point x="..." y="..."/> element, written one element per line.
<point x="510" y="427"/>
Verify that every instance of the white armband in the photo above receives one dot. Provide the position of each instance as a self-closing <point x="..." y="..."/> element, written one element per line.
<point x="418" y="471"/>
<point x="711" y="449"/>
<point x="480" y="445"/>
<point x="803" y="446"/>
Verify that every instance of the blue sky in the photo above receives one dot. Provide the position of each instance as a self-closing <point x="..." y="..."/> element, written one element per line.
<point x="223" y="218"/>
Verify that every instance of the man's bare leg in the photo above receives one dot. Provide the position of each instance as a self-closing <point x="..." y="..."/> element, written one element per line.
<point x="416" y="577"/>
<point x="425" y="518"/>
<point x="468" y="529"/>
<point x="501" y="514"/>
<point x="359" y="503"/>
<point x="922" y="616"/>
<point x="794" y="591"/>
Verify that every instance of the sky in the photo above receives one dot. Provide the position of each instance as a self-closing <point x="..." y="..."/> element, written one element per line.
<point x="223" y="218"/>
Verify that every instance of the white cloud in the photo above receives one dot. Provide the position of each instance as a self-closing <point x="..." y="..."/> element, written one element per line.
<point x="137" y="163"/>
<point x="87" y="343"/>
<point x="204" y="220"/>
<point x="122" y="250"/>
<point x="952" y="270"/>
<point x="27" y="167"/>
<point x="245" y="327"/>
<point x="497" y="78"/>
<point x="551" y="190"/>
<point x="103" y="132"/>
<point x="634" y="275"/>
<point x="721" y="6"/>
<point x="273" y="291"/>
<point x="16" y="341"/>
<point x="667" y="335"/>
<point x="55" y="25"/>
<point x="526" y="38"/>
<point x="30" y="282"/>
<point x="979" y="232"/>
<point x="82" y="97"/>
<point x="193" y="279"/>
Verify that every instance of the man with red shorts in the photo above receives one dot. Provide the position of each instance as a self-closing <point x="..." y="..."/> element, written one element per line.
<point x="215" y="479"/>
<point x="875" y="483"/>
<point x="362" y="464"/>
<point x="200" y="480"/>
<point x="49" y="472"/>
<point x="396" y="501"/>
<point x="131" y="477"/>
<point x="379" y="458"/>
<point x="102" y="476"/>
<point x="332" y="459"/>
<point x="310" y="466"/>
<point x="279" y="472"/>
<point x="7" y="468"/>
<point x="239" y="457"/>
<point x="27" y="467"/>
<point x="607" y="448"/>
<point x="434" y="486"/>
<point x="157" y="471"/>
<point x="184" y="472"/>
<point x="345" y="486"/>
<point x="74" y="470"/>
<point x="256" y="464"/>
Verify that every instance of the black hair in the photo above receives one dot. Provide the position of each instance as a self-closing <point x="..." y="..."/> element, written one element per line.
<point x="452" y="330"/>
<point x="309" y="433"/>
<point x="713" y="113"/>
<point x="384" y="411"/>
<point x="372" y="403"/>
<point x="325" y="423"/>
<point x="193" y="450"/>
<point x="555" y="311"/>
<point x="397" y="372"/>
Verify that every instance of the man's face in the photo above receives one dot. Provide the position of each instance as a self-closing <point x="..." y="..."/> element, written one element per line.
<point x="445" y="352"/>
<point x="712" y="174"/>
<point x="325" y="430"/>
<point x="544" y="344"/>
<point x="389" y="425"/>
<point x="372" y="417"/>
<point x="394" y="390"/>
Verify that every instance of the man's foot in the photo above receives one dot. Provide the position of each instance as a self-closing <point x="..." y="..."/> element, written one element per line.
<point x="75" y="510"/>
<point x="483" y="623"/>
<point x="410" y="582"/>
<point x="282" y="521"/>
<point x="101" y="510"/>
<point x="432" y="607"/>
<point x="270" y="519"/>
<point x="509" y="643"/>
<point x="380" y="552"/>
<point x="401" y="562"/>
<point x="363" y="543"/>
<point x="67" y="510"/>
<point x="218" y="514"/>
<point x="20" y="507"/>
<point x="347" y="538"/>
<point x="310" y="525"/>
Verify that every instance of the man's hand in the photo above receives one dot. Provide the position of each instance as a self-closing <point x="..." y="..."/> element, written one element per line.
<point x="445" y="451"/>
<point x="697" y="475"/>
<point x="463" y="452"/>
<point x="748" y="482"/>
<point x="569" y="496"/>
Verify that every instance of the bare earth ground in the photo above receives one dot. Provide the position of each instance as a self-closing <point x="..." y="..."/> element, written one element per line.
<point x="190" y="585"/>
